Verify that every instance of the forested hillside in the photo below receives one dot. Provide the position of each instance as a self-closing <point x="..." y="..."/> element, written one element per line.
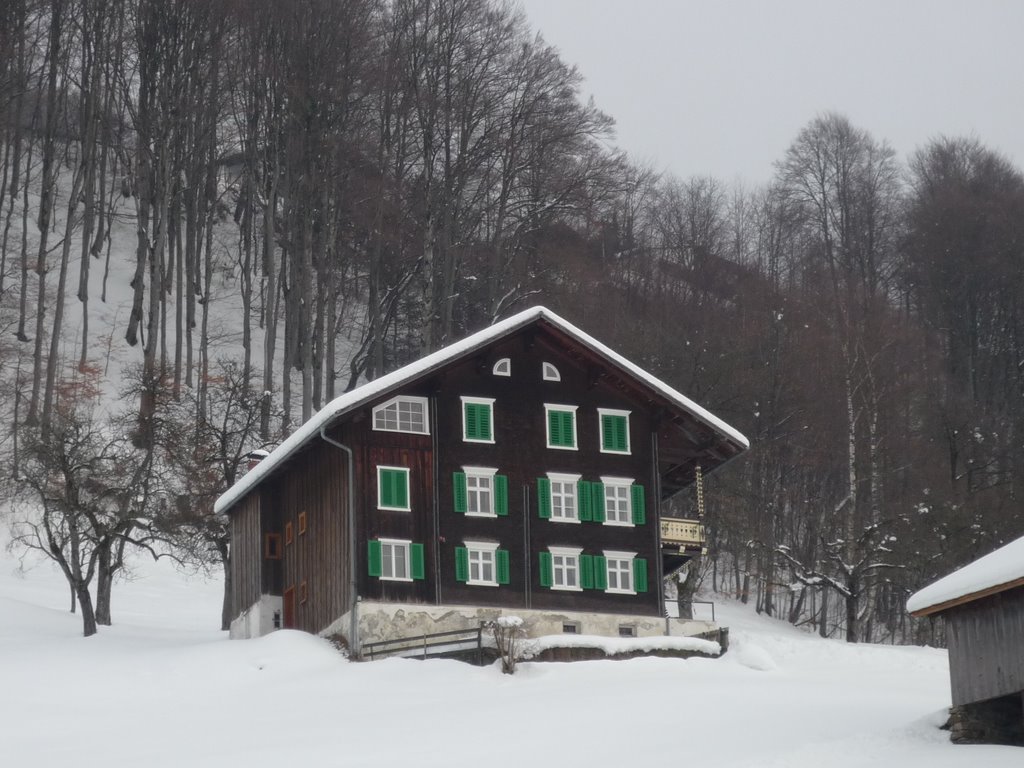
<point x="287" y="199"/>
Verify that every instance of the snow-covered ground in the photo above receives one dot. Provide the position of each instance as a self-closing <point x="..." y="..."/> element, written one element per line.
<point x="164" y="688"/>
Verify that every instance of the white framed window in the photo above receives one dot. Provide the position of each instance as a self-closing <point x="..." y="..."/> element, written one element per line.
<point x="394" y="559"/>
<point x="482" y="563"/>
<point x="503" y="367"/>
<point x="614" y="430"/>
<point x="618" y="507"/>
<point x="565" y="568"/>
<point x="477" y="419"/>
<point x="402" y="414"/>
<point x="393" y="488"/>
<point x="560" y="425"/>
<point x="565" y="505"/>
<point x="480" y="491"/>
<point x="619" y="572"/>
<point x="550" y="373"/>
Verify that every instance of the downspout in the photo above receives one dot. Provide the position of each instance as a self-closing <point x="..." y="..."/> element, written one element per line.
<point x="658" y="557"/>
<point x="353" y="630"/>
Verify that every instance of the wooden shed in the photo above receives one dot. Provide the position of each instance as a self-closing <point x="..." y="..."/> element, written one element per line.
<point x="983" y="608"/>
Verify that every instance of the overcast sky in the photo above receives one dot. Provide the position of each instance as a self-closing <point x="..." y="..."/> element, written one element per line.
<point x="721" y="87"/>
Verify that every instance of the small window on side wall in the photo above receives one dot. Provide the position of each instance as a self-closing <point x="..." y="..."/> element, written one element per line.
<point x="503" y="367"/>
<point x="272" y="546"/>
<point x="303" y="592"/>
<point x="288" y="537"/>
<point x="302" y="522"/>
<point x="550" y="373"/>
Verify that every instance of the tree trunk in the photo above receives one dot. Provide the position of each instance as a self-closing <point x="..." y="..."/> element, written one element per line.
<point x="104" y="584"/>
<point x="88" y="614"/>
<point x="225" y="610"/>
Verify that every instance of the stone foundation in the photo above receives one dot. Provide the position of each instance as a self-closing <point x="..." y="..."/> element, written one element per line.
<point x="379" y="621"/>
<point x="994" y="721"/>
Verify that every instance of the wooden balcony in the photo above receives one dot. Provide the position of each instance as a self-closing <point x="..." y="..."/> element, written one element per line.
<point x="685" y="535"/>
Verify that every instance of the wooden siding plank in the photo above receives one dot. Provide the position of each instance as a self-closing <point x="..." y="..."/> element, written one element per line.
<point x="986" y="647"/>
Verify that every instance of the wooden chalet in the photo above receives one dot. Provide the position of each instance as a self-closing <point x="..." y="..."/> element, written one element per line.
<point x="520" y="470"/>
<point x="983" y="608"/>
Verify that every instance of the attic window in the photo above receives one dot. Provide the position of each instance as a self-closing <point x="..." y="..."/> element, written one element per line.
<point x="550" y="373"/>
<point x="402" y="414"/>
<point x="503" y="367"/>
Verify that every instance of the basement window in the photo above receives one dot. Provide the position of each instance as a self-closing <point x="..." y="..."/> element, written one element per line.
<point x="570" y="627"/>
<point x="627" y="630"/>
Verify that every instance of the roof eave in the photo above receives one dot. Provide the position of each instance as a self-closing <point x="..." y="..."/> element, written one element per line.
<point x="931" y="610"/>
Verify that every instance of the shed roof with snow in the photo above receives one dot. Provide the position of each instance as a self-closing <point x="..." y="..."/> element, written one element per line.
<point x="996" y="572"/>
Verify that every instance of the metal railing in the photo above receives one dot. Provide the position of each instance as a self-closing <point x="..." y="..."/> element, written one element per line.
<point x="427" y="646"/>
<point x="682" y="532"/>
<point x="672" y="610"/>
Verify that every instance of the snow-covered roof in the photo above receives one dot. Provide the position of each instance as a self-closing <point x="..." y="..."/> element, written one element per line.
<point x="397" y="378"/>
<point x="995" y="572"/>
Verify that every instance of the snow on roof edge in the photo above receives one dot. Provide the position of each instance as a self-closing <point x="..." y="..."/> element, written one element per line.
<point x="997" y="569"/>
<point x="371" y="389"/>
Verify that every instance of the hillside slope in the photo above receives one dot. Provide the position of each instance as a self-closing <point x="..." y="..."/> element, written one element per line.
<point x="163" y="688"/>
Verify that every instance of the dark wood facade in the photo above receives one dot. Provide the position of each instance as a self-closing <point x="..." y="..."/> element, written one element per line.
<point x="986" y="647"/>
<point x="305" y="499"/>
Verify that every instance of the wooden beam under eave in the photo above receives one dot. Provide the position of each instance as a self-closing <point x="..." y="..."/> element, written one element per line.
<point x="969" y="598"/>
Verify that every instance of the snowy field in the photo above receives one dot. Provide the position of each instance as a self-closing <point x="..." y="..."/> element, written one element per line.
<point x="164" y="688"/>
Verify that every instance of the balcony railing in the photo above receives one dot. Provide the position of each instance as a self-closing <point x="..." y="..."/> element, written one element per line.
<point x="685" y="534"/>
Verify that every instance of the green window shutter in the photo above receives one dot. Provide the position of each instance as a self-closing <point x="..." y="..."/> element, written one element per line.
<point x="374" y="559"/>
<point x="614" y="432"/>
<point x="636" y="493"/>
<point x="484" y="418"/>
<point x="385" y="491"/>
<point x="417" y="561"/>
<point x="401" y="489"/>
<point x="501" y="560"/>
<point x="543" y="498"/>
<point x="477" y="421"/>
<point x="459" y="491"/>
<point x="600" y="572"/>
<point x="560" y="429"/>
<point x="606" y="433"/>
<point x="597" y="501"/>
<point x="639" y="574"/>
<point x="554" y="428"/>
<point x="501" y="495"/>
<point x="587" y="571"/>
<point x="584" y="501"/>
<point x="567" y="429"/>
<point x="546" y="575"/>
<point x="393" y="488"/>
<point x="461" y="564"/>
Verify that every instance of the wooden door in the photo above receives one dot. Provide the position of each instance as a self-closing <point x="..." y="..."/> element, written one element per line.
<point x="288" y="621"/>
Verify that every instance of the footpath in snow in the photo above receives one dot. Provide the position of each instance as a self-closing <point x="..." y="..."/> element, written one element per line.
<point x="163" y="687"/>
